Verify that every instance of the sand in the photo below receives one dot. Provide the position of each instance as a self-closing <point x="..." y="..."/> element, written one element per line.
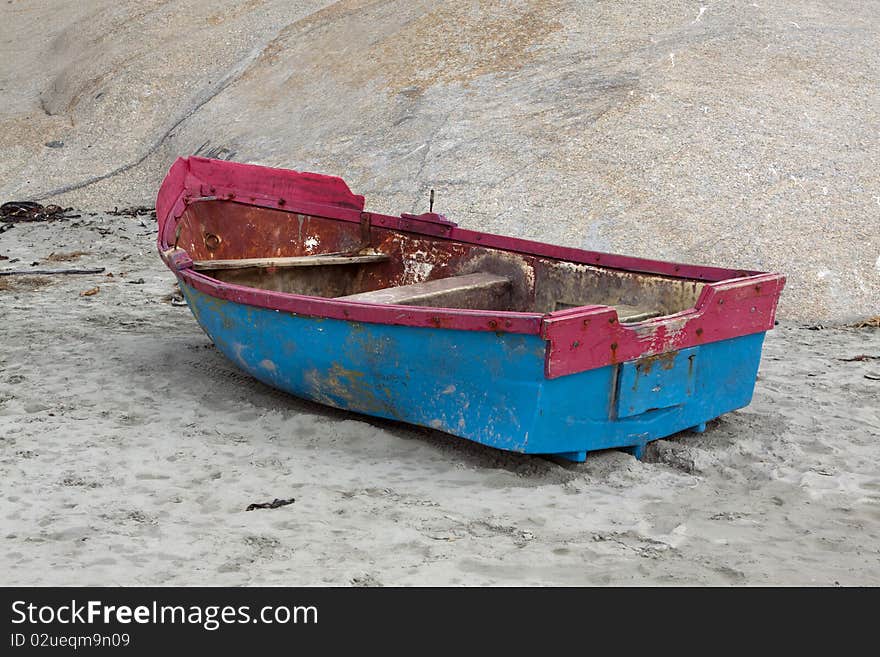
<point x="130" y="449"/>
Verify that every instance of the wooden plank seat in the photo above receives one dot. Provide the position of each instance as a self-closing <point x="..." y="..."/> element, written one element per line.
<point x="478" y="290"/>
<point x="631" y="314"/>
<point x="627" y="314"/>
<point x="317" y="260"/>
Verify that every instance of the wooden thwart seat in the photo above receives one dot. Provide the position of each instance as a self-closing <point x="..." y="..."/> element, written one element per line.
<point x="479" y="290"/>
<point x="627" y="314"/>
<point x="631" y="314"/>
<point x="296" y="261"/>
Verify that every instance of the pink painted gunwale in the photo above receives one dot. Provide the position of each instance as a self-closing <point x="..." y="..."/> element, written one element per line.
<point x="732" y="303"/>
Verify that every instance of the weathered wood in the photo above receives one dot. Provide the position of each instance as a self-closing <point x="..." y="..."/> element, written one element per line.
<point x="630" y="314"/>
<point x="297" y="261"/>
<point x="49" y="272"/>
<point x="626" y="314"/>
<point x="479" y="290"/>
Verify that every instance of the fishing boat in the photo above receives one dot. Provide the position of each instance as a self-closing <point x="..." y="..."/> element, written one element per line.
<point x="515" y="344"/>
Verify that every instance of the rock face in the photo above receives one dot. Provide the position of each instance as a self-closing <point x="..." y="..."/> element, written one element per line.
<point x="737" y="134"/>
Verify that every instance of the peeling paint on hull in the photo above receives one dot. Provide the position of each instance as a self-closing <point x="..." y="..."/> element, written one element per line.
<point x="489" y="387"/>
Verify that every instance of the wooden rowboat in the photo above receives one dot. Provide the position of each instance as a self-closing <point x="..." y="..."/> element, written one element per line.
<point x="515" y="344"/>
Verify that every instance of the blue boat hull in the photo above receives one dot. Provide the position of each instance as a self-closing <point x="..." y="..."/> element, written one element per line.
<point x="484" y="386"/>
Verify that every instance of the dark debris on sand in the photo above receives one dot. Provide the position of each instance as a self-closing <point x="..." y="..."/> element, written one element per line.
<point x="21" y="211"/>
<point x="134" y="211"/>
<point x="274" y="504"/>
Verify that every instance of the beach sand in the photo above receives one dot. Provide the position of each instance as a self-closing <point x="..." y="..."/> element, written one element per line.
<point x="130" y="449"/>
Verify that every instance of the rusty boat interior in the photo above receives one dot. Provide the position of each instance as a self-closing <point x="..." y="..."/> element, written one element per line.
<point x="290" y="252"/>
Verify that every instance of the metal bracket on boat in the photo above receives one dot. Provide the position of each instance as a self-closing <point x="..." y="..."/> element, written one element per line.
<point x="177" y="259"/>
<point x="366" y="230"/>
<point x="438" y="222"/>
<point x="177" y="231"/>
